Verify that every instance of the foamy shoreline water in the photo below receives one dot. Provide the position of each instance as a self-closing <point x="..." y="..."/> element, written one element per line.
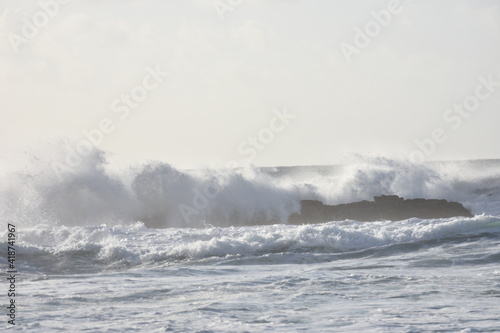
<point x="413" y="275"/>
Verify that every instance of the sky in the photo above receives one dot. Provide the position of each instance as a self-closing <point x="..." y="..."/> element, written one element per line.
<point x="267" y="82"/>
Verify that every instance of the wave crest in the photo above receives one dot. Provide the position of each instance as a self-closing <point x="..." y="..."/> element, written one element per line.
<point x="162" y="196"/>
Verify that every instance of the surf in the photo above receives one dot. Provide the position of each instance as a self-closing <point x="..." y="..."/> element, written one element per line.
<point x="162" y="196"/>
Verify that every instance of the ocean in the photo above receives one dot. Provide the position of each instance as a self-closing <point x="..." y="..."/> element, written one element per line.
<point x="151" y="248"/>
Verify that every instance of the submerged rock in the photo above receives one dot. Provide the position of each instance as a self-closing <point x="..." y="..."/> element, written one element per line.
<point x="385" y="207"/>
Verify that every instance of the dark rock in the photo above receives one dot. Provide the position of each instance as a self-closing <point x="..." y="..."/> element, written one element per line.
<point x="385" y="207"/>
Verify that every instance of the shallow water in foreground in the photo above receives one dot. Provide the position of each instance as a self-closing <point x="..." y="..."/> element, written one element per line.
<point x="408" y="276"/>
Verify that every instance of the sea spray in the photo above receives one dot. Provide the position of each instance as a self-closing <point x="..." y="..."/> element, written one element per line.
<point x="155" y="193"/>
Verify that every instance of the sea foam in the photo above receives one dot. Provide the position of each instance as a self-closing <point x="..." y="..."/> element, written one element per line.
<point x="161" y="196"/>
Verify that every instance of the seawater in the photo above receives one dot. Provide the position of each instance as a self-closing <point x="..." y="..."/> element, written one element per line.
<point x="102" y="251"/>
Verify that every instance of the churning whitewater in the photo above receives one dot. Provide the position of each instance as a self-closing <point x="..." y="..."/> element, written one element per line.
<point x="154" y="248"/>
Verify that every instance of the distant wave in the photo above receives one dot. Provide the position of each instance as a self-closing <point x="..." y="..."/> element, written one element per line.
<point x="161" y="196"/>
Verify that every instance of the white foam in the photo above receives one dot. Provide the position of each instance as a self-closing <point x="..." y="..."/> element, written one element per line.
<point x="137" y="245"/>
<point x="156" y="193"/>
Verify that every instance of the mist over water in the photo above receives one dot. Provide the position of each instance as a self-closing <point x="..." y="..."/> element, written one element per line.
<point x="160" y="196"/>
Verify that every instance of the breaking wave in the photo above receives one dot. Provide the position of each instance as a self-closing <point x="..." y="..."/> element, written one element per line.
<point x="62" y="249"/>
<point x="159" y="195"/>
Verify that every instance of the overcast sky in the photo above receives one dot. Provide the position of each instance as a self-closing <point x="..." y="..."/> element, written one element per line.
<point x="272" y="82"/>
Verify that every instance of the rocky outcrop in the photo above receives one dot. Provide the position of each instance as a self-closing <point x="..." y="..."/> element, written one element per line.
<point x="385" y="207"/>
